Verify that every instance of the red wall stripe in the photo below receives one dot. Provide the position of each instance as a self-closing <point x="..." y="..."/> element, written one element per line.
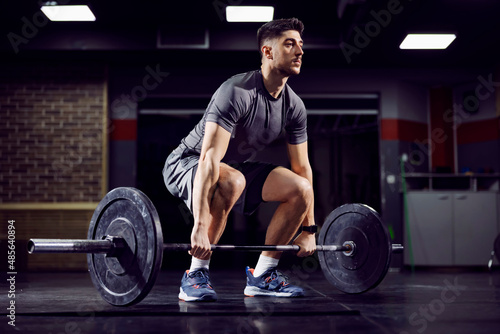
<point x="479" y="131"/>
<point x="123" y="129"/>
<point x="441" y="102"/>
<point x="400" y="129"/>
<point x="391" y="129"/>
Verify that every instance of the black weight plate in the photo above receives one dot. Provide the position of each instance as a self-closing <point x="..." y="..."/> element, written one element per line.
<point x="367" y="266"/>
<point x="127" y="278"/>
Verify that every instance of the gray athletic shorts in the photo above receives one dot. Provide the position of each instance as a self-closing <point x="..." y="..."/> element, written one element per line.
<point x="180" y="169"/>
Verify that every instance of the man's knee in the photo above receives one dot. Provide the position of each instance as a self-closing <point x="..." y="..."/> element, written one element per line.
<point x="232" y="184"/>
<point x="302" y="192"/>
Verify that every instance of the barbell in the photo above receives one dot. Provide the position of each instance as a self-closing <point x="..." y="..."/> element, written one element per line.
<point x="125" y="247"/>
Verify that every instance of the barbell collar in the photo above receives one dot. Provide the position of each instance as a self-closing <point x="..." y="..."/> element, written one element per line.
<point x="397" y="248"/>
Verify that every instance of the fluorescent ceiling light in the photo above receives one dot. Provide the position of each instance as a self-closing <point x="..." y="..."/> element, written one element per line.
<point x="249" y="13"/>
<point x="68" y="13"/>
<point x="427" y="41"/>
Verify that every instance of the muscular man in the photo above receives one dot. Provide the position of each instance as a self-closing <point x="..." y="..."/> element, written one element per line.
<point x="213" y="170"/>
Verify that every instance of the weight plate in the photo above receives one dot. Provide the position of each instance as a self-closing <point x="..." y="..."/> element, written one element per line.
<point x="367" y="266"/>
<point x="127" y="278"/>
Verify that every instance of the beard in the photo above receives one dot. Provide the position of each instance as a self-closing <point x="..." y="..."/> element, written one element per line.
<point x="289" y="70"/>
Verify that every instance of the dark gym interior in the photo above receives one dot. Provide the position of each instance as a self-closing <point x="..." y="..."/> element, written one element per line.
<point x="87" y="107"/>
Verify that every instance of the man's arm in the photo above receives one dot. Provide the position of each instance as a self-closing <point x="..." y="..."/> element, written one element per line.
<point x="299" y="161"/>
<point x="215" y="143"/>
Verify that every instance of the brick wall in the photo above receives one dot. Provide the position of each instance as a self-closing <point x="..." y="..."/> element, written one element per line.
<point x="51" y="132"/>
<point x="53" y="148"/>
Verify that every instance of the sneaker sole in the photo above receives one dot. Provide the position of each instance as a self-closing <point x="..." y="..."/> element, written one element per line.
<point x="205" y="298"/>
<point x="252" y="291"/>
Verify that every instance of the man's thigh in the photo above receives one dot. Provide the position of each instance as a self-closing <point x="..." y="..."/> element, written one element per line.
<point x="256" y="174"/>
<point x="281" y="184"/>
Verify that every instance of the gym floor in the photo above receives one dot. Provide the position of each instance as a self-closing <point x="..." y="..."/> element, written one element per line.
<point x="405" y="302"/>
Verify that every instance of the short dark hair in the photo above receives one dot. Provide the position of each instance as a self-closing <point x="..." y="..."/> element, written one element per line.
<point x="274" y="29"/>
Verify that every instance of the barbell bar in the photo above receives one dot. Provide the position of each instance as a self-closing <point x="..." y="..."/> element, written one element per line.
<point x="125" y="247"/>
<point x="111" y="246"/>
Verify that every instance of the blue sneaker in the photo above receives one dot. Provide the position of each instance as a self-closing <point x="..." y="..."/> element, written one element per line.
<point x="196" y="286"/>
<point x="271" y="283"/>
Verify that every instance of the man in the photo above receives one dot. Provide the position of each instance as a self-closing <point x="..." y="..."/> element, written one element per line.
<point x="212" y="171"/>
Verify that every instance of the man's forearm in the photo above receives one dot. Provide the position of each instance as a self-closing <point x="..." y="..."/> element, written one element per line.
<point x="205" y="180"/>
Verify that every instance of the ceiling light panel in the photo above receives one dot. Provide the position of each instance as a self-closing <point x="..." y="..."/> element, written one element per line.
<point x="249" y="13"/>
<point x="68" y="13"/>
<point x="427" y="41"/>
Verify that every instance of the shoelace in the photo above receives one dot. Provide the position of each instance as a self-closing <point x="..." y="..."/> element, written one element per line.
<point x="197" y="273"/>
<point x="200" y="274"/>
<point x="277" y="278"/>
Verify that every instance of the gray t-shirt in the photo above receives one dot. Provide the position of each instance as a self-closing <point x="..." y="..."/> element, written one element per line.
<point x="244" y="107"/>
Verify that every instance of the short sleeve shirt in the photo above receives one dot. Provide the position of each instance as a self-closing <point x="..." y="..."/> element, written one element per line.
<point x="244" y="108"/>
